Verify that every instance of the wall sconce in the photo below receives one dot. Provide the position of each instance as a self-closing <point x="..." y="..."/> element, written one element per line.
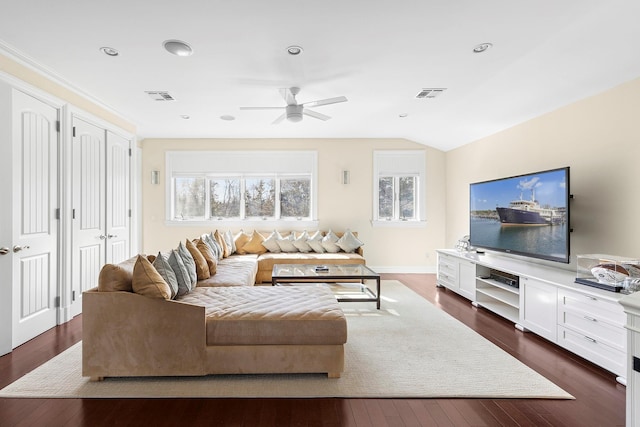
<point x="346" y="177"/>
<point x="155" y="177"/>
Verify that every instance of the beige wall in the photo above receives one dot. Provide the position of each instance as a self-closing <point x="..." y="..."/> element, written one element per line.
<point x="339" y="206"/>
<point x="598" y="137"/>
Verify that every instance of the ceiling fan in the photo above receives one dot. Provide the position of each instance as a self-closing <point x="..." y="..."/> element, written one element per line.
<point x="294" y="111"/>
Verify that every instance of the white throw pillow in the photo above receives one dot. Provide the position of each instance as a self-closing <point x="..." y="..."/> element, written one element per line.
<point x="230" y="241"/>
<point x="315" y="241"/>
<point x="286" y="244"/>
<point x="329" y="242"/>
<point x="271" y="244"/>
<point x="348" y="242"/>
<point x="301" y="242"/>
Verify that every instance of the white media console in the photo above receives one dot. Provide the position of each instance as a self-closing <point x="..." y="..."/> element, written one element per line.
<point x="585" y="320"/>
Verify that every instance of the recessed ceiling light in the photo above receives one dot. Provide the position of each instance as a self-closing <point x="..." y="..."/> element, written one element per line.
<point x="227" y="118"/>
<point x="294" y="50"/>
<point x="185" y="116"/>
<point x="109" y="51"/>
<point x="482" y="47"/>
<point x="177" y="47"/>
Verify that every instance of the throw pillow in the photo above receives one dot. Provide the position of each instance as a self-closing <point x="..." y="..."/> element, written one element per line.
<point x="271" y="242"/>
<point x="222" y="243"/>
<point x="189" y="263"/>
<point x="349" y="242"/>
<point x="162" y="266"/>
<point x="255" y="244"/>
<point x="205" y="238"/>
<point x="315" y="241"/>
<point x="202" y="268"/>
<point x="218" y="249"/>
<point x="205" y="250"/>
<point x="147" y="281"/>
<point x="181" y="271"/>
<point x="286" y="244"/>
<point x="329" y="242"/>
<point x="116" y="277"/>
<point x="241" y="239"/>
<point x="230" y="241"/>
<point x="301" y="244"/>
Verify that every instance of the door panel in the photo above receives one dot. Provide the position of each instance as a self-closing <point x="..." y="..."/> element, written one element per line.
<point x="118" y="201"/>
<point x="35" y="227"/>
<point x="88" y="201"/>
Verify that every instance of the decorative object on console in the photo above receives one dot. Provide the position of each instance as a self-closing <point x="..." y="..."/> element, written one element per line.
<point x="609" y="272"/>
<point x="463" y="244"/>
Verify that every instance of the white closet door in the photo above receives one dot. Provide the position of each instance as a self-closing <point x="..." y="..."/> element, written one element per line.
<point x="88" y="203"/>
<point x="34" y="202"/>
<point x="118" y="200"/>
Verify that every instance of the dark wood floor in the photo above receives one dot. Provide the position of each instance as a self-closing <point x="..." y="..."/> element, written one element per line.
<point x="600" y="401"/>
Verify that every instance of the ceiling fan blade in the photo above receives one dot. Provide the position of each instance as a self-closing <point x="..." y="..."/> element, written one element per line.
<point x="262" y="108"/>
<point x="315" y="114"/>
<point x="288" y="96"/>
<point x="279" y="119"/>
<point x="327" y="101"/>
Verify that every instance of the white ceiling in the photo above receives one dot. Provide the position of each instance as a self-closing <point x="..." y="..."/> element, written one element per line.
<point x="377" y="53"/>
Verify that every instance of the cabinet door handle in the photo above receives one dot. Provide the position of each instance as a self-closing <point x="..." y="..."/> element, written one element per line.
<point x="590" y="318"/>
<point x="590" y="339"/>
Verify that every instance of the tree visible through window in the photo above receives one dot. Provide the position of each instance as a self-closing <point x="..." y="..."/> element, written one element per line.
<point x="295" y="198"/>
<point x="225" y="198"/>
<point x="397" y="197"/>
<point x="242" y="197"/>
<point x="189" y="198"/>
<point x="259" y="197"/>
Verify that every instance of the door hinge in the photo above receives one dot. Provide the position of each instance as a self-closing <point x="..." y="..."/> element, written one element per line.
<point x="56" y="302"/>
<point x="129" y="152"/>
<point x="74" y="131"/>
<point x="73" y="214"/>
<point x="129" y="213"/>
<point x="58" y="126"/>
<point x="73" y="295"/>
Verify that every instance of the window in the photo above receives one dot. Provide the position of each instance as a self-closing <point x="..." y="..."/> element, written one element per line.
<point x="241" y="186"/>
<point x="399" y="178"/>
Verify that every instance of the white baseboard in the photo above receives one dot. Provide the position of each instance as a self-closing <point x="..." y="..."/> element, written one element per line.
<point x="421" y="269"/>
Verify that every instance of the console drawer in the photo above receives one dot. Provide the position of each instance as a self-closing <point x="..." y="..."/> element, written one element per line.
<point x="597" y="308"/>
<point x="593" y="350"/>
<point x="591" y="326"/>
<point x="447" y="270"/>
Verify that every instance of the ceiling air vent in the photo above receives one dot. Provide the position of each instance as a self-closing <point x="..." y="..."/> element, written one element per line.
<point x="430" y="93"/>
<point x="160" y="95"/>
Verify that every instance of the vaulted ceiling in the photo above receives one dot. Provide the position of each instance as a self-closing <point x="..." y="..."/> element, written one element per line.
<point x="379" y="54"/>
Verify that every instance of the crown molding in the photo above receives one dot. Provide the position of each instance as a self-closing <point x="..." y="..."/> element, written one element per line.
<point x="25" y="60"/>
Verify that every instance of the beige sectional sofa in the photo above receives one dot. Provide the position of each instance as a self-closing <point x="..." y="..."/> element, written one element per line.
<point x="224" y="325"/>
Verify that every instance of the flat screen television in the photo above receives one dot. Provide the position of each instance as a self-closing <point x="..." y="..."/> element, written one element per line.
<point x="524" y="215"/>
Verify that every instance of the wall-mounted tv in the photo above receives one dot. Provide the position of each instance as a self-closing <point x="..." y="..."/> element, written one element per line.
<point x="523" y="215"/>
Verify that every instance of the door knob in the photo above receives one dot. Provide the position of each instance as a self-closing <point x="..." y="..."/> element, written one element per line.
<point x="102" y="237"/>
<point x="4" y="251"/>
<point x="111" y="236"/>
<point x="18" y="248"/>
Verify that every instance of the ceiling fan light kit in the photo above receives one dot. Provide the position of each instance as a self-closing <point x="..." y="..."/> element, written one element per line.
<point x="293" y="111"/>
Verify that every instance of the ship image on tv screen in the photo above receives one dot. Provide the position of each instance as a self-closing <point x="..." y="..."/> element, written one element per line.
<point x="524" y="215"/>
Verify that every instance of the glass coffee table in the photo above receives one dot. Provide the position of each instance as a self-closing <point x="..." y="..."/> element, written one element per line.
<point x="346" y="281"/>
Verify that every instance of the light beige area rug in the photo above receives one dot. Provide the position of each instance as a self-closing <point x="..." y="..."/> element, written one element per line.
<point x="409" y="348"/>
